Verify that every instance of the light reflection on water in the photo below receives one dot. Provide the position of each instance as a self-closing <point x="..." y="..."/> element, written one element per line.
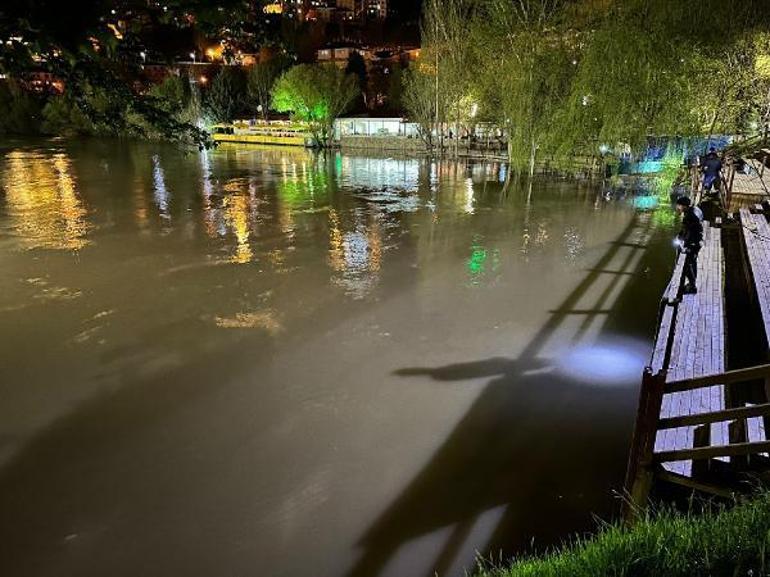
<point x="605" y="363"/>
<point x="274" y="209"/>
<point x="42" y="200"/>
<point x="244" y="314"/>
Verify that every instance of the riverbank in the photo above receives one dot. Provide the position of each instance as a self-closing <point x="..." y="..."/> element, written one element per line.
<point x="718" y="542"/>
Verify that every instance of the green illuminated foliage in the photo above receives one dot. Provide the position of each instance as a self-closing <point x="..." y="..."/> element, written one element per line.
<point x="315" y="94"/>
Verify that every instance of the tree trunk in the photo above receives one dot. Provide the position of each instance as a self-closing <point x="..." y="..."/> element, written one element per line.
<point x="532" y="154"/>
<point x="766" y="120"/>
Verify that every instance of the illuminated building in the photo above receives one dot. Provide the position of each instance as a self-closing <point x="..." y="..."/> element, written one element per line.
<point x="367" y="9"/>
<point x="376" y="9"/>
<point x="274" y="8"/>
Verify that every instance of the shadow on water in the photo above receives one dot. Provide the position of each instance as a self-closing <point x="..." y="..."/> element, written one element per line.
<point x="539" y="427"/>
<point x="544" y="426"/>
<point x="82" y="472"/>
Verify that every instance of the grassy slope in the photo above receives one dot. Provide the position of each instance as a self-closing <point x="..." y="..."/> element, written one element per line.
<point x="721" y="543"/>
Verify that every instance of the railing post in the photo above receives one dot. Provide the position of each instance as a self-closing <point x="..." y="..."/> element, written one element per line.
<point x="640" y="471"/>
<point x="694" y="182"/>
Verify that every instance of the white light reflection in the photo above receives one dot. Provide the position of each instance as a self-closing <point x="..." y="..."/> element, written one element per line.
<point x="469" y="197"/>
<point x="616" y="362"/>
<point x="160" y="193"/>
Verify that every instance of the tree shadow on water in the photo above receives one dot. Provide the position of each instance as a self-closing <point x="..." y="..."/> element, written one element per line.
<point x="538" y="442"/>
<point x="544" y="445"/>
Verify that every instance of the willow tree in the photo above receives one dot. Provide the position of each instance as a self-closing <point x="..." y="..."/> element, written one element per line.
<point x="440" y="88"/>
<point x="529" y="61"/>
<point x="445" y="26"/>
<point x="261" y="79"/>
<point x="655" y="67"/>
<point x="762" y="87"/>
<point x="420" y="101"/>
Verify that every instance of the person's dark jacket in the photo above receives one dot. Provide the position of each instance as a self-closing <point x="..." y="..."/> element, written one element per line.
<point x="712" y="164"/>
<point x="691" y="233"/>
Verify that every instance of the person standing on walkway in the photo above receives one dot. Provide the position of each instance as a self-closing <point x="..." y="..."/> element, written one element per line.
<point x="711" y="166"/>
<point x="690" y="238"/>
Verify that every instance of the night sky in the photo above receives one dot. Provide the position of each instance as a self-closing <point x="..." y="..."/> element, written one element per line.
<point x="407" y="8"/>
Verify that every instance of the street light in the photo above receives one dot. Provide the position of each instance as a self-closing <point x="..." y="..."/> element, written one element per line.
<point x="192" y="55"/>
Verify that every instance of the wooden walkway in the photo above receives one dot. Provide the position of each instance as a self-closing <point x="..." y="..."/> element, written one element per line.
<point x="697" y="350"/>
<point x="757" y="241"/>
<point x="756" y="184"/>
<point x="690" y="429"/>
<point x="756" y="236"/>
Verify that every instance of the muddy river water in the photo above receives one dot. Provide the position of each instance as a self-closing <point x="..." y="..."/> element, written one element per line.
<point x="261" y="362"/>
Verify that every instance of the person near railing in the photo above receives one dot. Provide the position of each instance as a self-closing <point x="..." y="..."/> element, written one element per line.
<point x="689" y="241"/>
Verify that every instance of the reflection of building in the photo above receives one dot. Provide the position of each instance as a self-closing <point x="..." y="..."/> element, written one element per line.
<point x="355" y="256"/>
<point x="43" y="202"/>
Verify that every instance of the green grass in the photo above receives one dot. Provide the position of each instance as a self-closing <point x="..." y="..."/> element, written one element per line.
<point x="721" y="542"/>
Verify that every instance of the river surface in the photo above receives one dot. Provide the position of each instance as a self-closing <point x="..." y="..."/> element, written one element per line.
<point x="258" y="362"/>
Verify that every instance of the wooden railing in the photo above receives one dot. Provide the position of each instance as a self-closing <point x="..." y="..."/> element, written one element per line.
<point x="726" y="192"/>
<point x="726" y="178"/>
<point x="644" y="464"/>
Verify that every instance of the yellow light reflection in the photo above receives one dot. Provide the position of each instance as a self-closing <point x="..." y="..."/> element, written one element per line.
<point x="237" y="213"/>
<point x="42" y="200"/>
<point x="374" y="237"/>
<point x="141" y="210"/>
<point x="336" y="243"/>
<point x="355" y="256"/>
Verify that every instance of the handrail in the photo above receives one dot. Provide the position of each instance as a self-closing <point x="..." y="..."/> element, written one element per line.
<point x="726" y="378"/>
<point x="700" y="453"/>
<point x="746" y="412"/>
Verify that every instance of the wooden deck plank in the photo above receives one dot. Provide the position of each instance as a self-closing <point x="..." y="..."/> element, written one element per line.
<point x="756" y="237"/>
<point x="697" y="351"/>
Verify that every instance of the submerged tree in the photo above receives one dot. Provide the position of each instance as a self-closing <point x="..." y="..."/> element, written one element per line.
<point x="419" y="100"/>
<point x="262" y="77"/>
<point x="447" y="60"/>
<point x="529" y="65"/>
<point x="225" y="97"/>
<point x="315" y="94"/>
<point x="21" y="110"/>
<point x="564" y="76"/>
